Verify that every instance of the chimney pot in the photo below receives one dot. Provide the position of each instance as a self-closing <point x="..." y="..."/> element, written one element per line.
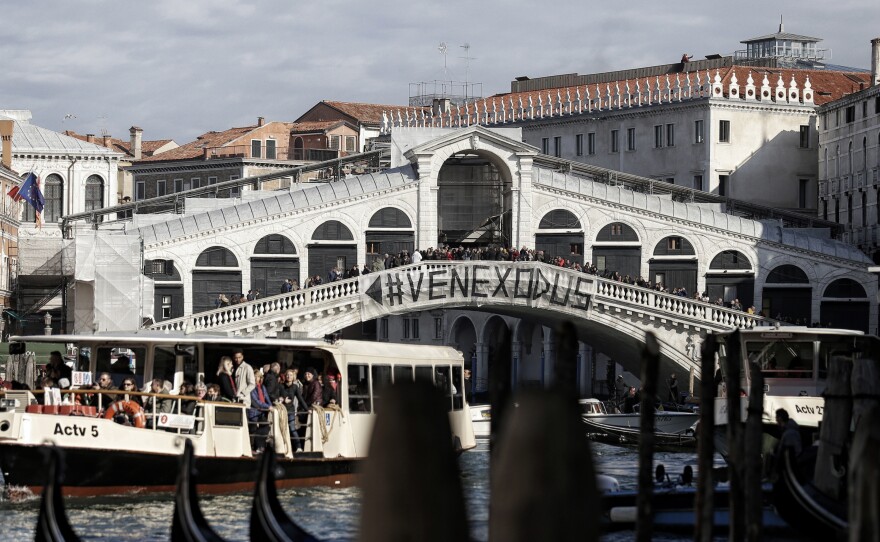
<point x="875" y="61"/>
<point x="261" y="121"/>
<point x="135" y="142"/>
<point x="90" y="138"/>
<point x="6" y="129"/>
<point x="105" y="140"/>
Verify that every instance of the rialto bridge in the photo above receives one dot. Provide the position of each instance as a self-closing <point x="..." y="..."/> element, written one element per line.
<point x="481" y="187"/>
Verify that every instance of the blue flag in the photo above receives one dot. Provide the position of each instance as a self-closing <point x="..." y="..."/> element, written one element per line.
<point x="30" y="192"/>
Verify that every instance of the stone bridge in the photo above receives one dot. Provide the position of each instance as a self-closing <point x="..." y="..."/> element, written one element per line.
<point x="616" y="313"/>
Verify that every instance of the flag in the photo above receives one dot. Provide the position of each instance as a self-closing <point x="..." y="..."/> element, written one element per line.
<point x="14" y="194"/>
<point x="30" y="192"/>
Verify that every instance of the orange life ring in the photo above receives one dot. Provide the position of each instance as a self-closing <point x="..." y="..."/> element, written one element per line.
<point x="134" y="411"/>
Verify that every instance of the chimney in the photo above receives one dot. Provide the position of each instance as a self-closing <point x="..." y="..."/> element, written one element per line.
<point x="261" y="121"/>
<point x="875" y="61"/>
<point x="135" y="142"/>
<point x="440" y="106"/>
<point x="6" y="128"/>
<point x="90" y="138"/>
<point x="105" y="140"/>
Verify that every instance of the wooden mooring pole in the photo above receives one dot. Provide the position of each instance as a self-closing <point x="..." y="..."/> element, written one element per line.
<point x="864" y="459"/>
<point x="828" y="476"/>
<point x="736" y="447"/>
<point x="754" y="463"/>
<point x="706" y="443"/>
<point x="645" y="497"/>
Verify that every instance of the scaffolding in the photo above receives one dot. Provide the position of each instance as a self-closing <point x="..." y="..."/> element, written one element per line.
<point x="423" y="94"/>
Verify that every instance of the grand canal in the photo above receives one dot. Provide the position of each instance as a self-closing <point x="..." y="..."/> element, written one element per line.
<point x="329" y="513"/>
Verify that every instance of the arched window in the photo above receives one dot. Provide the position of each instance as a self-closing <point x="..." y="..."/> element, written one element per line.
<point x="94" y="193"/>
<point x="53" y="193"/>
<point x="826" y="162"/>
<point x="787" y="274"/>
<point x="865" y="154"/>
<point x="850" y="153"/>
<point x="390" y="217"/>
<point x="845" y="288"/>
<point x="216" y="257"/>
<point x="332" y="230"/>
<point x="559" y="219"/>
<point x="837" y="162"/>
<point x="730" y="259"/>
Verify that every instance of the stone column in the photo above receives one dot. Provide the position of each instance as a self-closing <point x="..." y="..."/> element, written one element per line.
<point x="480" y="370"/>
<point x="516" y="355"/>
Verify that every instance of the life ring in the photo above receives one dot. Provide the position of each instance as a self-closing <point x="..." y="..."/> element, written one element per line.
<point x="134" y="411"/>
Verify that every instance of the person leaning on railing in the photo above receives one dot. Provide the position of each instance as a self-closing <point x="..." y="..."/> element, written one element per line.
<point x="156" y="405"/>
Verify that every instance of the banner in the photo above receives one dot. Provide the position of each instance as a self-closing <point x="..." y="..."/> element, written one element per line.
<point x="473" y="284"/>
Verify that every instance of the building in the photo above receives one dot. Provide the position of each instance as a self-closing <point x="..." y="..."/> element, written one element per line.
<point x="323" y="140"/>
<point x="214" y="157"/>
<point x="732" y="126"/>
<point x="366" y="118"/>
<point x="849" y="162"/>
<point x="134" y="149"/>
<point x="10" y="219"/>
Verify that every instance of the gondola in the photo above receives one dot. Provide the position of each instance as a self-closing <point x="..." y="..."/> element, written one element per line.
<point x="52" y="523"/>
<point x="797" y="500"/>
<point x="269" y="522"/>
<point x="189" y="524"/>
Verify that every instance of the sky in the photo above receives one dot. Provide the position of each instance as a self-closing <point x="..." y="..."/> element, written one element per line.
<point x="179" y="68"/>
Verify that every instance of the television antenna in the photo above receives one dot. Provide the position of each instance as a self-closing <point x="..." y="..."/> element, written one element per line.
<point x="102" y="124"/>
<point x="467" y="63"/>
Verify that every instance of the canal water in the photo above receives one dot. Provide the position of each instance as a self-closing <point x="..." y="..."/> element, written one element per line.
<point x="329" y="513"/>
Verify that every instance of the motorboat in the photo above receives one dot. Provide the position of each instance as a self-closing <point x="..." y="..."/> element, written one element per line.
<point x="671" y="427"/>
<point x="112" y="445"/>
<point x="481" y="418"/>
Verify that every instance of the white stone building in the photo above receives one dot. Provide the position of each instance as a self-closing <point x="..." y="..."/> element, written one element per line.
<point x="849" y="162"/>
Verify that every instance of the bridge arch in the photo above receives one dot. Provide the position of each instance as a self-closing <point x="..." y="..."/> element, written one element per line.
<point x="845" y="304"/>
<point x="216" y="271"/>
<point x="674" y="264"/>
<point x="332" y="245"/>
<point x="273" y="260"/>
<point x="731" y="276"/>
<point x="528" y="350"/>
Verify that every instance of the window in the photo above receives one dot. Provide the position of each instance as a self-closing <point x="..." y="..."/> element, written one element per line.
<point x="235" y="191"/>
<point x="157" y="267"/>
<point x="850" y="114"/>
<point x="802" y="193"/>
<point x="94" y="193"/>
<point x="849" y="209"/>
<point x="824" y="209"/>
<point x="334" y="142"/>
<point x="698" y="182"/>
<point x="722" y="184"/>
<point x="256" y="147"/>
<point x="579" y="144"/>
<point x="837" y="210"/>
<point x="865" y="109"/>
<point x="670" y="180"/>
<point x="350" y="143"/>
<point x="545" y="145"/>
<point x="161" y="189"/>
<point x="591" y="143"/>
<point x="877" y="104"/>
<point x="630" y="139"/>
<point x="140" y="190"/>
<point x="805" y="136"/>
<point x="415" y="328"/>
<point x="406" y="328"/>
<point x="373" y="247"/>
<point x="616" y="230"/>
<point x="557" y="147"/>
<point x="438" y="328"/>
<point x="670" y="135"/>
<point x="166" y="306"/>
<point x="600" y="263"/>
<point x="724" y="131"/>
<point x="196" y="182"/>
<point x="383" y="328"/>
<point x="658" y="136"/>
<point x="615" y="143"/>
<point x="673" y="243"/>
<point x="358" y="388"/>
<point x="698" y="131"/>
<point x="270" y="149"/>
<point x="178" y="185"/>
<point x="864" y="209"/>
<point x="212" y="180"/>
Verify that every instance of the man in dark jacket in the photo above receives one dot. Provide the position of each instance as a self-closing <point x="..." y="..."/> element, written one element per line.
<point x="272" y="381"/>
<point x="291" y="397"/>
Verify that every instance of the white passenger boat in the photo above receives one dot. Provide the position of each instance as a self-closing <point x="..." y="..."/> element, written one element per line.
<point x="105" y="457"/>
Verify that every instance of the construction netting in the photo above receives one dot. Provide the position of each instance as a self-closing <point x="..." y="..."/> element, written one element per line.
<point x="110" y="291"/>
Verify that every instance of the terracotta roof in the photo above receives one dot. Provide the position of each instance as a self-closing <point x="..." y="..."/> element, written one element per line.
<point x="827" y="85"/>
<point x="195" y="149"/>
<point x="147" y="147"/>
<point x="364" y="113"/>
<point x="316" y="126"/>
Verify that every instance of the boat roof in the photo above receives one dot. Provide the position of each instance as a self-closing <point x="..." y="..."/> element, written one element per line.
<point x="347" y="346"/>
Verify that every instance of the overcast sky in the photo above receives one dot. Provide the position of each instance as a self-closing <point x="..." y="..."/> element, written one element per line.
<point x="178" y="68"/>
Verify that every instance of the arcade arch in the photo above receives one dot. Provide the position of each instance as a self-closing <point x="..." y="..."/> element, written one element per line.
<point x="617" y="248"/>
<point x="787" y="295"/>
<point x="332" y="245"/>
<point x="845" y="305"/>
<point x="560" y="234"/>
<point x="730" y="276"/>
<point x="274" y="260"/>
<point x="216" y="272"/>
<point x="674" y="264"/>
<point x="390" y="231"/>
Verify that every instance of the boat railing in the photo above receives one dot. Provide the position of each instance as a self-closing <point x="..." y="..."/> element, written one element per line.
<point x="272" y="420"/>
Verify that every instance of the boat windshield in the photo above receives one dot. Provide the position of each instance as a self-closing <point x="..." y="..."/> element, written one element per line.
<point x="592" y="407"/>
<point x="782" y="358"/>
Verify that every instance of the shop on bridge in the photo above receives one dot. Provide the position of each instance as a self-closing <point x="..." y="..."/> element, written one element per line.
<point x="787" y="295"/>
<point x="332" y="245"/>
<point x="274" y="260"/>
<point x="845" y="305"/>
<point x="216" y="272"/>
<point x="730" y="276"/>
<point x="560" y="235"/>
<point x="389" y="231"/>
<point x="674" y="264"/>
<point x="617" y="248"/>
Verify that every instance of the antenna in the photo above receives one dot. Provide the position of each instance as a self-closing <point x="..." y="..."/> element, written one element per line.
<point x="102" y="124"/>
<point x="467" y="64"/>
